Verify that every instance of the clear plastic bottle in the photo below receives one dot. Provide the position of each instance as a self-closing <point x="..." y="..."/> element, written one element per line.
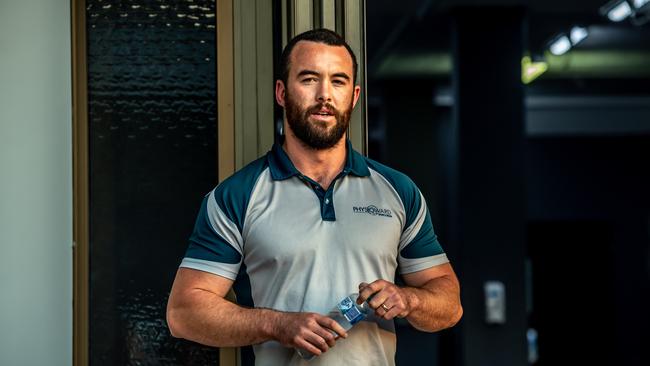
<point x="347" y="313"/>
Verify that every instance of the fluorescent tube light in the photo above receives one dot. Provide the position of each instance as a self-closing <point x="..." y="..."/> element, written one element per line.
<point x="578" y="34"/>
<point x="619" y="11"/>
<point x="560" y="46"/>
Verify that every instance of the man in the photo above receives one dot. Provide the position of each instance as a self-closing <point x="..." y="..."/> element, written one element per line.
<point x="311" y="222"/>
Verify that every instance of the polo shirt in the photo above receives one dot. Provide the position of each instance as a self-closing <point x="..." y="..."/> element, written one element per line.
<point x="290" y="245"/>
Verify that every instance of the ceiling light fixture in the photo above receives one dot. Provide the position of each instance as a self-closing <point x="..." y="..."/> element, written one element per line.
<point x="578" y="34"/>
<point x="560" y="45"/>
<point x="616" y="10"/>
<point x="641" y="14"/>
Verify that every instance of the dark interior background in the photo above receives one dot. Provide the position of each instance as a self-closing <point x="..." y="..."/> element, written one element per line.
<point x="586" y="159"/>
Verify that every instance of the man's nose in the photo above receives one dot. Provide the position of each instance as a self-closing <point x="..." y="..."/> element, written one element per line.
<point x="324" y="92"/>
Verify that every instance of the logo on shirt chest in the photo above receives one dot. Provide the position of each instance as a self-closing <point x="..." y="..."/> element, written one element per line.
<point x="373" y="210"/>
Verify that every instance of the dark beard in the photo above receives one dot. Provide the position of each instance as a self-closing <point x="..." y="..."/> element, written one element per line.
<point x="315" y="134"/>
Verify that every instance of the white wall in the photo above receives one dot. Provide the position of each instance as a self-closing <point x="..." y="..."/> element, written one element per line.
<point x="35" y="183"/>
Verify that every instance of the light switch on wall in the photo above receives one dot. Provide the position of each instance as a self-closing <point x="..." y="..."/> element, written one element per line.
<point x="495" y="302"/>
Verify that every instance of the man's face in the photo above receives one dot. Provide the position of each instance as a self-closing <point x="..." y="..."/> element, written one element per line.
<point x="319" y="95"/>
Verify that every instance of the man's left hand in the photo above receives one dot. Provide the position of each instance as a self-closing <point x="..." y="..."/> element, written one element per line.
<point x="388" y="300"/>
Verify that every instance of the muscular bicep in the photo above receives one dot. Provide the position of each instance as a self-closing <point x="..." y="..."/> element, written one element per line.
<point x="190" y="281"/>
<point x="421" y="278"/>
<point x="194" y="299"/>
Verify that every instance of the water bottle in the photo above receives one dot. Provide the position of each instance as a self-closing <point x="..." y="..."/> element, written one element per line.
<point x="347" y="313"/>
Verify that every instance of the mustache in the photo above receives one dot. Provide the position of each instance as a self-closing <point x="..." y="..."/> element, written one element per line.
<point x="317" y="107"/>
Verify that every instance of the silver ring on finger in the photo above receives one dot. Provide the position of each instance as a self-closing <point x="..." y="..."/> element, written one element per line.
<point x="383" y="306"/>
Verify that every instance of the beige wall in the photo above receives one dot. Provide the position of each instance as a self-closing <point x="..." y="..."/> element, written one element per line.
<point x="35" y="183"/>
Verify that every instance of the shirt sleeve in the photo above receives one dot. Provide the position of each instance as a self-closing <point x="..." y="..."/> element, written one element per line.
<point x="216" y="242"/>
<point x="419" y="248"/>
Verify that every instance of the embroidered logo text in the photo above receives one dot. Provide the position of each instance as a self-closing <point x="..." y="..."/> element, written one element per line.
<point x="373" y="210"/>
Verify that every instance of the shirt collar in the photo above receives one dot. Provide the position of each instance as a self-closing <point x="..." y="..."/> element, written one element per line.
<point x="282" y="168"/>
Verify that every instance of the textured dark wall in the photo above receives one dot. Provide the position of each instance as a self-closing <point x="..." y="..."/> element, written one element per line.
<point x="152" y="115"/>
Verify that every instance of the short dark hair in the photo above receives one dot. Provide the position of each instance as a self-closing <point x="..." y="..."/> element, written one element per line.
<point x="320" y="35"/>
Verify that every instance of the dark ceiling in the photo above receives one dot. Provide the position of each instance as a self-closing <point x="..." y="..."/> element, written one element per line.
<point x="423" y="27"/>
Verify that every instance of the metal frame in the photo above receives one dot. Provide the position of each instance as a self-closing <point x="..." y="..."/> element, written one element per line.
<point x="228" y="356"/>
<point x="225" y="89"/>
<point x="80" y="184"/>
<point x="354" y="24"/>
<point x="253" y="79"/>
<point x="226" y="161"/>
<point x="348" y="18"/>
<point x="245" y="124"/>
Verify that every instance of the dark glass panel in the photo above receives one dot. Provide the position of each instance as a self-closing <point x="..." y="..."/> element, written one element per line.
<point x="152" y="115"/>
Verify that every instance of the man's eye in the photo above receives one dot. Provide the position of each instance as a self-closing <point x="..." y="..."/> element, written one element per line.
<point x="338" y="82"/>
<point x="309" y="80"/>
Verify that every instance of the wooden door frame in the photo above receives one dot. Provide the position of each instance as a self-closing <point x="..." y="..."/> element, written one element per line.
<point x="80" y="185"/>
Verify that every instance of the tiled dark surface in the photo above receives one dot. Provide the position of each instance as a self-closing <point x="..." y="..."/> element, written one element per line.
<point x="152" y="115"/>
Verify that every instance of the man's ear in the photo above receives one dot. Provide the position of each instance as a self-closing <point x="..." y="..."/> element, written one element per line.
<point x="356" y="93"/>
<point x="280" y="92"/>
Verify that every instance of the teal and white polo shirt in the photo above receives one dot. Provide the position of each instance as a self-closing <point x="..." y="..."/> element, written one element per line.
<point x="290" y="245"/>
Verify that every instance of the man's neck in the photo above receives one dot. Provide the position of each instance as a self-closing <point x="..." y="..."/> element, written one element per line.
<point x="321" y="166"/>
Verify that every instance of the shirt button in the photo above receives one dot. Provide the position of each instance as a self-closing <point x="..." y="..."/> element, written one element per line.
<point x="327" y="201"/>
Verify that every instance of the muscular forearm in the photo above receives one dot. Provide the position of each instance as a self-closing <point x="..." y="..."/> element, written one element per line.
<point x="435" y="305"/>
<point x="206" y="318"/>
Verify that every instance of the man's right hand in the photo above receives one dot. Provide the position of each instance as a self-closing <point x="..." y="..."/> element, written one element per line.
<point x="312" y="332"/>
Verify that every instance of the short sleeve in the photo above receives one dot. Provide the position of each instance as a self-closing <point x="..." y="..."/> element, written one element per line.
<point x="418" y="245"/>
<point x="216" y="242"/>
<point x="419" y="248"/>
